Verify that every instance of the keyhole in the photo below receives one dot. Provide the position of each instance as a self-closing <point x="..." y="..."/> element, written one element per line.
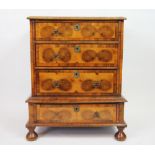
<point x="76" y="108"/>
<point x="77" y="49"/>
<point x="77" y="27"/>
<point x="76" y="74"/>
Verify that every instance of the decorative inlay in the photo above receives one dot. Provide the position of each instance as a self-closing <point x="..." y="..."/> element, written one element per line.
<point x="88" y="55"/>
<point x="47" y="84"/>
<point x="106" y="31"/>
<point x="48" y="55"/>
<point x="62" y="84"/>
<point x="65" y="85"/>
<point x="106" y="114"/>
<point x="57" y="116"/>
<point x="64" y="54"/>
<point x="87" y="85"/>
<point x="104" y="55"/>
<point x="88" y="31"/>
<point x="87" y="114"/>
<point x="97" y="115"/>
<point x="46" y="31"/>
<point x="105" y="85"/>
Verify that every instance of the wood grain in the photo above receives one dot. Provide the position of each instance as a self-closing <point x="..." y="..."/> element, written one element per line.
<point x="76" y="82"/>
<point x="67" y="31"/>
<point x="72" y="99"/>
<point x="68" y="113"/>
<point x="76" y="73"/>
<point x="104" y="55"/>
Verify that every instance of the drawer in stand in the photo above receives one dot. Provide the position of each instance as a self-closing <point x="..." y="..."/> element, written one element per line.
<point x="76" y="113"/>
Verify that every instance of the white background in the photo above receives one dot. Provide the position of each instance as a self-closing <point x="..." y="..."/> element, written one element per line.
<point x="138" y="80"/>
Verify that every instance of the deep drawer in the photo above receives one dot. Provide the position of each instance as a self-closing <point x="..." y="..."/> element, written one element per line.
<point x="77" y="55"/>
<point x="82" y="113"/>
<point x="77" y="31"/>
<point x="76" y="82"/>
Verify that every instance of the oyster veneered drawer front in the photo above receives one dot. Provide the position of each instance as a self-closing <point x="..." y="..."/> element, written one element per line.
<point x="77" y="55"/>
<point x="76" y="82"/>
<point x="82" y="113"/>
<point x="77" y="31"/>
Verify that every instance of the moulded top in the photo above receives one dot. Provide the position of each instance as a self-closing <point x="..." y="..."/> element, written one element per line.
<point x="74" y="18"/>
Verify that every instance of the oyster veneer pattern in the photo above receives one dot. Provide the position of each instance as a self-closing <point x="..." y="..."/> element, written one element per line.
<point x="85" y="31"/>
<point x="76" y="73"/>
<point x="62" y="84"/>
<point x="89" y="85"/>
<point x="77" y="54"/>
<point x="49" y="55"/>
<point x="68" y="113"/>
<point x="87" y="82"/>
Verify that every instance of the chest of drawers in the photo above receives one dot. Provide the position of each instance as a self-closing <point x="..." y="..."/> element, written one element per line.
<point x="76" y="73"/>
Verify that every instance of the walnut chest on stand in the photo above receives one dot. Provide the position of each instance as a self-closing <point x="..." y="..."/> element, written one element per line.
<point x="76" y="73"/>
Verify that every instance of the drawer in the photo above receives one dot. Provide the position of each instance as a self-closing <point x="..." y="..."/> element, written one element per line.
<point x="76" y="82"/>
<point x="77" y="31"/>
<point x="77" y="55"/>
<point x="81" y="113"/>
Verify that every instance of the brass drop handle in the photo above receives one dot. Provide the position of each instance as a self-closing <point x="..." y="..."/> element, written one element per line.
<point x="56" y="56"/>
<point x="56" y="32"/>
<point x="77" y="49"/>
<point x="76" y="108"/>
<point x="96" y="84"/>
<point x="56" y="84"/>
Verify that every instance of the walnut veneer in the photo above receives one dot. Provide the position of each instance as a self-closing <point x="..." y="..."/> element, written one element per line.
<point x="76" y="72"/>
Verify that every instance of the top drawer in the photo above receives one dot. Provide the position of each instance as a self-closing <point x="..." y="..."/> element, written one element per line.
<point x="77" y="31"/>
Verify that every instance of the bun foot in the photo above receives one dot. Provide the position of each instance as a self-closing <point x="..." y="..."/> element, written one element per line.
<point x="31" y="135"/>
<point x="120" y="135"/>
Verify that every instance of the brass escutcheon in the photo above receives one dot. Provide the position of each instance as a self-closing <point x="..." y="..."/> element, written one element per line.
<point x="76" y="74"/>
<point x="77" y="49"/>
<point x="76" y="108"/>
<point x="77" y="27"/>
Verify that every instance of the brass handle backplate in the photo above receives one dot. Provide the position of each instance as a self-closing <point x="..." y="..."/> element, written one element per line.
<point x="56" y="32"/>
<point x="96" y="84"/>
<point x="56" y="56"/>
<point x="56" y="84"/>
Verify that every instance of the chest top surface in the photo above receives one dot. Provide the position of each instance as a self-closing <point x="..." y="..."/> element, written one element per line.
<point x="74" y="18"/>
